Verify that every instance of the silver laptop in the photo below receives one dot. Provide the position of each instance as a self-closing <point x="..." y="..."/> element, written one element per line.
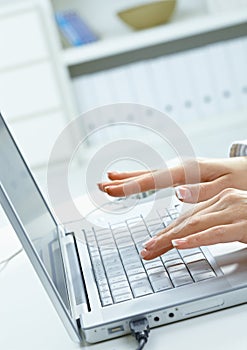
<point x="94" y="275"/>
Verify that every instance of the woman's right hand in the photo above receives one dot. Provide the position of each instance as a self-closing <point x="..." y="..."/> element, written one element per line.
<point x="211" y="177"/>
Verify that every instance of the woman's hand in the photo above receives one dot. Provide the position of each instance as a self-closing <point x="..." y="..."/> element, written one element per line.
<point x="223" y="218"/>
<point x="214" y="176"/>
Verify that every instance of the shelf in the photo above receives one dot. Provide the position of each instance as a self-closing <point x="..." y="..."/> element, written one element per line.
<point x="179" y="29"/>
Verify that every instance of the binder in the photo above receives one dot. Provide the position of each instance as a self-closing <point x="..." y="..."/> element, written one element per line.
<point x="220" y="69"/>
<point x="178" y="66"/>
<point x="163" y="86"/>
<point x="140" y="78"/>
<point x="236" y="51"/>
<point x="203" y="83"/>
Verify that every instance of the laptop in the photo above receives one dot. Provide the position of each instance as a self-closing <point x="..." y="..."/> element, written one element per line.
<point x="94" y="275"/>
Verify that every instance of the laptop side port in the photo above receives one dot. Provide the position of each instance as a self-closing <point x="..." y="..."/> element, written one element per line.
<point x="116" y="329"/>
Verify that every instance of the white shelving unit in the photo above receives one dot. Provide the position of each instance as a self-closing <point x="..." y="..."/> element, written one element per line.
<point x="127" y="46"/>
<point x="181" y="28"/>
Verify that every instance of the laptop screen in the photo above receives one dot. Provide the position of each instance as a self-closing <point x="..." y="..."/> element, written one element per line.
<point x="31" y="209"/>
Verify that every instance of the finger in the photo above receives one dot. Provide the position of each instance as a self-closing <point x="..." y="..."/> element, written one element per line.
<point x="199" y="209"/>
<point x="114" y="175"/>
<point x="120" y="182"/>
<point x="150" y="181"/>
<point x="103" y="185"/>
<point x="213" y="235"/>
<point x="129" y="187"/>
<point x="159" y="244"/>
<point x="149" y="254"/>
<point x="203" y="191"/>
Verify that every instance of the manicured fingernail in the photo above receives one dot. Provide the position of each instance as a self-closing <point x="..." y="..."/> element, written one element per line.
<point x="150" y="243"/>
<point x="183" y="193"/>
<point x="178" y="242"/>
<point x="106" y="189"/>
<point x="144" y="253"/>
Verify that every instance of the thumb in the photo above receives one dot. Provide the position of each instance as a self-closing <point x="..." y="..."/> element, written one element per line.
<point x="200" y="192"/>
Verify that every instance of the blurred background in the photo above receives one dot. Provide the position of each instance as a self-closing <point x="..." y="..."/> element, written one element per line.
<point x="60" y="58"/>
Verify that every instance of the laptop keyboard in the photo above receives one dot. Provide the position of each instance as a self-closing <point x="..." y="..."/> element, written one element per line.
<point x="122" y="275"/>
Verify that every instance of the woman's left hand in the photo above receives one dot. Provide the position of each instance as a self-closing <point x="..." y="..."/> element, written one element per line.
<point x="222" y="218"/>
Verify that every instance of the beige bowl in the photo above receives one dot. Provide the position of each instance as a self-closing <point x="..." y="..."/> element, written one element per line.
<point x="148" y="15"/>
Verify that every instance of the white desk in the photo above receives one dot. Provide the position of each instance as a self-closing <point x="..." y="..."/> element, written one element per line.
<point x="29" y="321"/>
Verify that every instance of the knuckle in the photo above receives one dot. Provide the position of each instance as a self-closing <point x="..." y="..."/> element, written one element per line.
<point x="219" y="233"/>
<point x="194" y="221"/>
<point x="228" y="194"/>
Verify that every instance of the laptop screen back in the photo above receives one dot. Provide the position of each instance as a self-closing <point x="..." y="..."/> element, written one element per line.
<point x="31" y="209"/>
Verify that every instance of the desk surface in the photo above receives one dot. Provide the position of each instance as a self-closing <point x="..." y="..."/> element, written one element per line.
<point x="29" y="321"/>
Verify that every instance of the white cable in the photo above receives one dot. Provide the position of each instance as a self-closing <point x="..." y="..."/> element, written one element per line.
<point x="5" y="262"/>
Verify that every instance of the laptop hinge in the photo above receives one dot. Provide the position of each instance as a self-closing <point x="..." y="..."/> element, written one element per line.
<point x="74" y="275"/>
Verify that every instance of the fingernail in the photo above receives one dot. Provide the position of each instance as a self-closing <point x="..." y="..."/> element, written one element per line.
<point x="178" y="242"/>
<point x="150" y="243"/>
<point x="183" y="193"/>
<point x="144" y="253"/>
<point x="106" y="189"/>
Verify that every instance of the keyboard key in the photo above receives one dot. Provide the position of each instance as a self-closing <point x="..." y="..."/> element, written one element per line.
<point x="180" y="280"/>
<point x="102" y="281"/>
<point x="119" y="285"/>
<point x="121" y="242"/>
<point x="107" y="251"/>
<point x="105" y="294"/>
<point x="121" y="298"/>
<point x="171" y="255"/>
<point x="103" y="234"/>
<point x="131" y="259"/>
<point x="133" y="266"/>
<point x="135" y="221"/>
<point x="140" y="276"/>
<point x="103" y="288"/>
<point x="177" y="267"/>
<point x="121" y="291"/>
<point x="173" y="262"/>
<point x="108" y="243"/>
<point x="122" y="234"/>
<point x="111" y="259"/>
<point x="114" y="271"/>
<point x="152" y="264"/>
<point x="186" y="252"/>
<point x="199" y="267"/>
<point x="141" y="238"/>
<point x="161" y="284"/>
<point x="204" y="276"/>
<point x="194" y="257"/>
<point x="106" y="301"/>
<point x="159" y="275"/>
<point x="141" y="287"/>
<point x="135" y="271"/>
<point x="115" y="279"/>
<point x="181" y="277"/>
<point x="156" y="271"/>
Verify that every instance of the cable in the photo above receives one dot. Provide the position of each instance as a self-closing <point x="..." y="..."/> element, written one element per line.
<point x="140" y="330"/>
<point x="6" y="261"/>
